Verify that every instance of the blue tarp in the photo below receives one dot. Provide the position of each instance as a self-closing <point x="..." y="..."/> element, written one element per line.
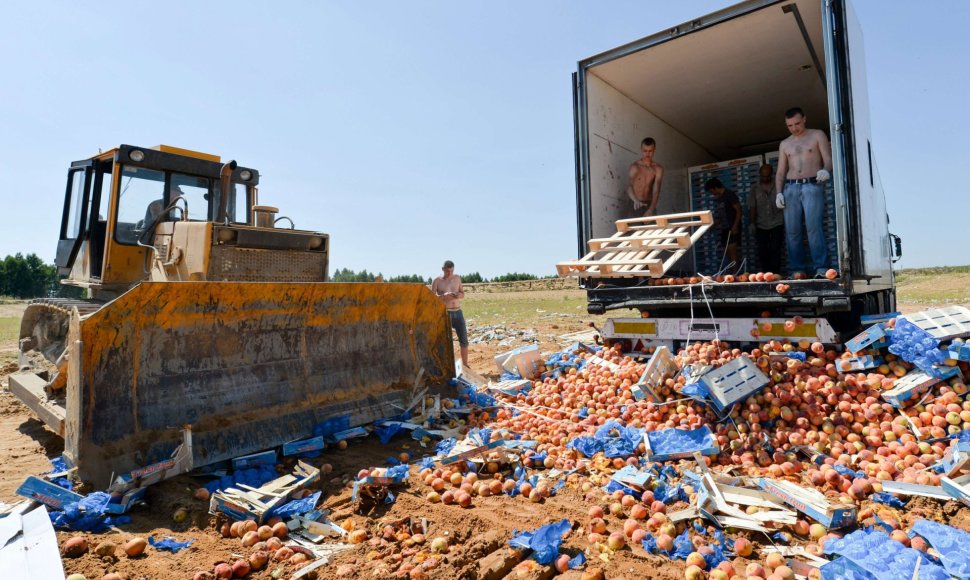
<point x="680" y="441"/>
<point x="951" y="544"/>
<point x="544" y="542"/>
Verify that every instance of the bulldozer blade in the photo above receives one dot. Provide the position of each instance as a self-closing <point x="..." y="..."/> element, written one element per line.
<point x="246" y="366"/>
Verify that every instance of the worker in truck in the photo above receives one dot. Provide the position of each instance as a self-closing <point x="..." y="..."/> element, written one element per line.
<point x="727" y="219"/>
<point x="646" y="176"/>
<point x="767" y="220"/>
<point x="448" y="288"/>
<point x="804" y="164"/>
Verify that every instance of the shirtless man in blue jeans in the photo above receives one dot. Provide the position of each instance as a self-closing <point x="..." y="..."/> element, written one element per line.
<point x="804" y="164"/>
<point x="448" y="289"/>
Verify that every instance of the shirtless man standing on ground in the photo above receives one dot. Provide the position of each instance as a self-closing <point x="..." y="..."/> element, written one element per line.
<point x="804" y="163"/>
<point x="645" y="178"/>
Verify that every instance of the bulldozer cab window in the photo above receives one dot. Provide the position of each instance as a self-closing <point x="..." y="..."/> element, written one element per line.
<point x="72" y="225"/>
<point x="238" y="210"/>
<point x="195" y="191"/>
<point x="142" y="197"/>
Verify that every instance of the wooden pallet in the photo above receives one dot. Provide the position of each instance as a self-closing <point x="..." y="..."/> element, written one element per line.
<point x="646" y="246"/>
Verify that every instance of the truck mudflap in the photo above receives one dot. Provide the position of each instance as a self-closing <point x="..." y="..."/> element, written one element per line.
<point x="246" y="366"/>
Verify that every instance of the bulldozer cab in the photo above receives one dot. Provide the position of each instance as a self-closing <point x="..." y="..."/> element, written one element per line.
<point x="114" y="203"/>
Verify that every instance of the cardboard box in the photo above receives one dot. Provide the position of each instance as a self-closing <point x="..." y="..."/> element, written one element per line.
<point x="303" y="446"/>
<point x="909" y="387"/>
<point x="524" y="361"/>
<point x="255" y="460"/>
<point x="47" y="493"/>
<point x="866" y="338"/>
<point x="811" y="503"/>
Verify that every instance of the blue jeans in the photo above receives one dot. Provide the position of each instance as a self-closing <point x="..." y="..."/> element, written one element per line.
<point x="457" y="318"/>
<point x="805" y="200"/>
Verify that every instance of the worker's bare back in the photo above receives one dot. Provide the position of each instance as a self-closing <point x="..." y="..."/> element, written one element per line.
<point x="805" y="154"/>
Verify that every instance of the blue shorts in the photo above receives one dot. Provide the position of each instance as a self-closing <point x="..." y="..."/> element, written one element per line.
<point x="458" y="323"/>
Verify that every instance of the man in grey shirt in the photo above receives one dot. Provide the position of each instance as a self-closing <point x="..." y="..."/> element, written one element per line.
<point x="768" y="221"/>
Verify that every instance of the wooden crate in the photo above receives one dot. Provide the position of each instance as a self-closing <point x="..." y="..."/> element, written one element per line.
<point x="646" y="246"/>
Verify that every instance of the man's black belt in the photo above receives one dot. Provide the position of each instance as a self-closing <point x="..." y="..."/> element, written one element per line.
<point x="803" y="180"/>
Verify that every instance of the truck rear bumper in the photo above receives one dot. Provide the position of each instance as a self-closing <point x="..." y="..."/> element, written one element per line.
<point x="818" y="295"/>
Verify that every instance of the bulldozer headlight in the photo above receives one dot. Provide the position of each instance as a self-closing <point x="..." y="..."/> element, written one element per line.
<point x="226" y="235"/>
<point x="245" y="175"/>
<point x="315" y="242"/>
<point x="137" y="156"/>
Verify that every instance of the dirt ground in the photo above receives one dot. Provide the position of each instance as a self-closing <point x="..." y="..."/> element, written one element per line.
<point x="480" y="532"/>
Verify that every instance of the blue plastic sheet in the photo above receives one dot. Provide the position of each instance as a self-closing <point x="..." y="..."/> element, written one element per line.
<point x="846" y="472"/>
<point x="445" y="446"/>
<point x="480" y="399"/>
<point x="544" y="542"/>
<point x="872" y="555"/>
<point x="681" y="549"/>
<point x="888" y="499"/>
<point x="253" y="477"/>
<point x="679" y="441"/>
<point x="483" y="436"/>
<point x="169" y="544"/>
<point x="669" y="494"/>
<point x="296" y="507"/>
<point x="426" y="463"/>
<point x="87" y="515"/>
<point x="950" y="542"/>
<point x="331" y="426"/>
<point x="612" y="439"/>
<point x="386" y="430"/>
<point x="915" y="345"/>
<point x="59" y="465"/>
<point x="577" y="561"/>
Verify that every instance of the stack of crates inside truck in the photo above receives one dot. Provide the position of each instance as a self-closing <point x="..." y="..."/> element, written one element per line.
<point x="713" y="93"/>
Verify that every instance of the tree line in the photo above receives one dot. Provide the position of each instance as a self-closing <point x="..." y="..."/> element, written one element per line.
<point x="30" y="277"/>
<point x="348" y="275"/>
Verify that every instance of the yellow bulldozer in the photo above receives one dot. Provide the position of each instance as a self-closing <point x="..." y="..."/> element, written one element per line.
<point x="204" y="315"/>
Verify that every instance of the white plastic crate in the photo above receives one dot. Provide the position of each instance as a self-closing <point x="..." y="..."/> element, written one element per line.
<point x="734" y="382"/>
<point x="943" y="323"/>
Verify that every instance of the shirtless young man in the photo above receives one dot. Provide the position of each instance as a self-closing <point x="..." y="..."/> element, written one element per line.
<point x="804" y="163"/>
<point x="645" y="179"/>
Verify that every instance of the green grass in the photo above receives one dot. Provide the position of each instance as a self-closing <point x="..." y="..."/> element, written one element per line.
<point x="939" y="285"/>
<point x="522" y="308"/>
<point x="9" y="330"/>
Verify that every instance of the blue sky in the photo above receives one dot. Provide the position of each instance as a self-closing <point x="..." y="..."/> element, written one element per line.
<point x="413" y="132"/>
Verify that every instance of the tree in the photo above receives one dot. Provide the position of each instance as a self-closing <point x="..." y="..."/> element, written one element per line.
<point x="27" y="277"/>
<point x="409" y="278"/>
<point x="473" y="278"/>
<point x="514" y="277"/>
